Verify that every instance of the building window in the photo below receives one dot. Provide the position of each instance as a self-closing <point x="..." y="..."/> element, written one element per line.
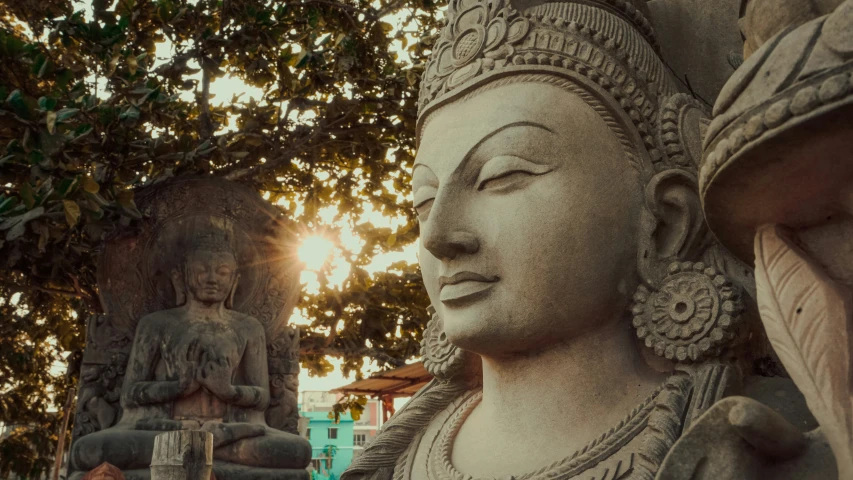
<point x="308" y="434"/>
<point x="333" y="433"/>
<point x="359" y="439"/>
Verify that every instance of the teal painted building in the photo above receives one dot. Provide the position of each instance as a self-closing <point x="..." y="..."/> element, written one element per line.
<point x="329" y="462"/>
<point x="347" y="438"/>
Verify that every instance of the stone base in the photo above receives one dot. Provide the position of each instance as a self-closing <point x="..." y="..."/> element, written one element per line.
<point x="224" y="471"/>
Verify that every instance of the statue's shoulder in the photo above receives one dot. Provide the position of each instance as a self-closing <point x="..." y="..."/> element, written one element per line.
<point x="247" y="322"/>
<point x="783" y="396"/>
<point x="159" y="318"/>
<point x="765" y="433"/>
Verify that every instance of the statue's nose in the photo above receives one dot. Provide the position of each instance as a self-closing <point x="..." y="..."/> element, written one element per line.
<point x="448" y="245"/>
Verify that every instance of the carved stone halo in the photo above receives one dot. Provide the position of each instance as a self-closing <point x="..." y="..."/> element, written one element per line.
<point x="691" y="316"/>
<point x="135" y="270"/>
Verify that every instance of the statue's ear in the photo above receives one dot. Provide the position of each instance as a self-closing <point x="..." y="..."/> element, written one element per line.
<point x="674" y="228"/>
<point x="229" y="302"/>
<point x="178" y="284"/>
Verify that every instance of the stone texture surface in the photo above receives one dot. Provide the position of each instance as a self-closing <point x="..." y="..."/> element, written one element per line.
<point x="763" y="19"/>
<point x="195" y="336"/>
<point x="700" y="41"/>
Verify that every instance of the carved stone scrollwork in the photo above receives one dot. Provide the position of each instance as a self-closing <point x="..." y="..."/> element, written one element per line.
<point x="283" y="357"/>
<point x="101" y="377"/>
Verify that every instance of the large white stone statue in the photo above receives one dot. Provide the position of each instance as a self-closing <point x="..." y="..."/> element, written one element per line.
<point x="587" y="323"/>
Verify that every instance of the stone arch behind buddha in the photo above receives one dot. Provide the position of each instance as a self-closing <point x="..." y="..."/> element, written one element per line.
<point x="135" y="270"/>
<point x="134" y="278"/>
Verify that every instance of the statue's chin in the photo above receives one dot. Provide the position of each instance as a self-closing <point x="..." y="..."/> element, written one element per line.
<point x="210" y="300"/>
<point x="485" y="336"/>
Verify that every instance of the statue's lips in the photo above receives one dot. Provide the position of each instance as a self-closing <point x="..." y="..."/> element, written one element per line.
<point x="464" y="286"/>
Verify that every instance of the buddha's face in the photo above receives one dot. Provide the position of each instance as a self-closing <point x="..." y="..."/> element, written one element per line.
<point x="210" y="275"/>
<point x="529" y="213"/>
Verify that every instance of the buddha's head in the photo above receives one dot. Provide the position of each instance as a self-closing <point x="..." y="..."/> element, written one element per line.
<point x="210" y="270"/>
<point x="554" y="175"/>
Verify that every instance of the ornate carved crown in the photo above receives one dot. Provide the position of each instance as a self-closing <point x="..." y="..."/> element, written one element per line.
<point x="607" y="46"/>
<point x="218" y="242"/>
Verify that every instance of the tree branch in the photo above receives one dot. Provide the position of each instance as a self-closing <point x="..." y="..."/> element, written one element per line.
<point x="206" y="127"/>
<point x="360" y="352"/>
<point x="343" y="6"/>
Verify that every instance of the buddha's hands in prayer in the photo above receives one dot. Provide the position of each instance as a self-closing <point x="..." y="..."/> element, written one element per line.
<point x="214" y="374"/>
<point x="187" y="378"/>
<point x="188" y="371"/>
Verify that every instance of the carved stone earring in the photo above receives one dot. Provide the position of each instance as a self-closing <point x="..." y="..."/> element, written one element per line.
<point x="229" y="302"/>
<point x="442" y="359"/>
<point x="692" y="316"/>
<point x="178" y="285"/>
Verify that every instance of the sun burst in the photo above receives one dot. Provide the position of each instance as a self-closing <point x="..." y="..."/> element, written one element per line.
<point x="315" y="251"/>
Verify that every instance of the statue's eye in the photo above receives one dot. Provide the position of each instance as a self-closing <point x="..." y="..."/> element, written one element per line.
<point x="224" y="271"/>
<point x="424" y="198"/>
<point x="424" y="207"/>
<point x="504" y="172"/>
<point x="505" y="180"/>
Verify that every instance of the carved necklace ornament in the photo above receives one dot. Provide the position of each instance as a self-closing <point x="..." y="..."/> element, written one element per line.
<point x="440" y="466"/>
<point x="691" y="317"/>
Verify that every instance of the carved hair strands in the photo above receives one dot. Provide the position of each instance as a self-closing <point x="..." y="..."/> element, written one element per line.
<point x="395" y="437"/>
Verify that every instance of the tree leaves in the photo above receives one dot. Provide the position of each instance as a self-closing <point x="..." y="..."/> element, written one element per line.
<point x="14" y="226"/>
<point x="94" y="109"/>
<point x="72" y="212"/>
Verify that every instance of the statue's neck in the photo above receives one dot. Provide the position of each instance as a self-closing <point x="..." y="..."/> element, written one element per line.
<point x="199" y="309"/>
<point x="569" y="392"/>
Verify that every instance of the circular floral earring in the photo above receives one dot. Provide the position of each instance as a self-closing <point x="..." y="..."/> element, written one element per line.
<point x="692" y="316"/>
<point x="441" y="358"/>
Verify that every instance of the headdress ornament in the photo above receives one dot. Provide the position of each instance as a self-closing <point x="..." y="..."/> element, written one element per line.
<point x="213" y="242"/>
<point x="606" y="46"/>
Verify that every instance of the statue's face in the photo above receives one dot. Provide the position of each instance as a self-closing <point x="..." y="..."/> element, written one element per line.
<point x="529" y="214"/>
<point x="211" y="275"/>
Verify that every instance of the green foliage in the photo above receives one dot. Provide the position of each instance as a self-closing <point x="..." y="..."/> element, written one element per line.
<point x="91" y="110"/>
<point x="330" y="450"/>
<point x="353" y="403"/>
